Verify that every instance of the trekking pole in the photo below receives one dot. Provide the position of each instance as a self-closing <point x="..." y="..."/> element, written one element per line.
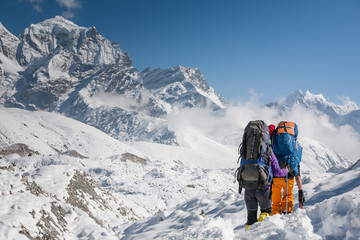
<point x="286" y="211"/>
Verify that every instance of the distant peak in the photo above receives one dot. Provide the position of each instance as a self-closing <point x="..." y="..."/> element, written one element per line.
<point x="298" y="91"/>
<point x="320" y="103"/>
<point x="179" y="67"/>
<point x="186" y="70"/>
<point x="296" y="95"/>
<point x="59" y="17"/>
<point x="49" y="25"/>
<point x="319" y="97"/>
<point x="58" y="20"/>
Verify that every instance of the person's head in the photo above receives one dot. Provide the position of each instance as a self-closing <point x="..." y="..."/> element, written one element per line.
<point x="271" y="129"/>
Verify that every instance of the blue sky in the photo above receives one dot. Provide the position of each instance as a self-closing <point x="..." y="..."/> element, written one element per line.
<point x="270" y="47"/>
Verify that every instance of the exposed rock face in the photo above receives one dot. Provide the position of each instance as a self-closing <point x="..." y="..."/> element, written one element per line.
<point x="182" y="87"/>
<point x="75" y="71"/>
<point x="18" y="148"/>
<point x="133" y="158"/>
<point x="54" y="216"/>
<point x="8" y="43"/>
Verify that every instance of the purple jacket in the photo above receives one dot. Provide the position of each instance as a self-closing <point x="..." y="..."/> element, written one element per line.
<point x="277" y="171"/>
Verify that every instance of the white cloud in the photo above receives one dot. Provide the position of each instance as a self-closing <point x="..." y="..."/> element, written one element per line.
<point x="128" y="102"/>
<point x="343" y="140"/>
<point x="68" y="14"/>
<point x="36" y="4"/>
<point x="69" y="4"/>
<point x="228" y="127"/>
<point x="37" y="8"/>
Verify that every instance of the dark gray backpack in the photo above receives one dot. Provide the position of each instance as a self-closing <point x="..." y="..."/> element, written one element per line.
<point x="255" y="170"/>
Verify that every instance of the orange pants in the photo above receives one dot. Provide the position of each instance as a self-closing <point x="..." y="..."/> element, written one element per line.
<point x="279" y="195"/>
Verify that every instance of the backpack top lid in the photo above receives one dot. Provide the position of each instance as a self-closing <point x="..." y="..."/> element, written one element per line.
<point x="287" y="127"/>
<point x="255" y="138"/>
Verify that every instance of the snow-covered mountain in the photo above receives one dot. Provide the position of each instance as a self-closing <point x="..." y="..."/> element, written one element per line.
<point x="316" y="102"/>
<point x="182" y="88"/>
<point x="9" y="67"/>
<point x="62" y="179"/>
<point x="341" y="114"/>
<point x="58" y="66"/>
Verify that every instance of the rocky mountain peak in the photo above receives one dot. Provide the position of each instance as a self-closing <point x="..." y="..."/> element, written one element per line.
<point x="178" y="74"/>
<point x="295" y="98"/>
<point x="194" y="76"/>
<point x="316" y="102"/>
<point x="182" y="87"/>
<point x="60" y="36"/>
<point x="345" y="113"/>
<point x="59" y="20"/>
<point x="8" y="43"/>
<point x="77" y="72"/>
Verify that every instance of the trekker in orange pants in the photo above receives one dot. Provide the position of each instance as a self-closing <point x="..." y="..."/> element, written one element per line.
<point x="282" y="187"/>
<point x="279" y="193"/>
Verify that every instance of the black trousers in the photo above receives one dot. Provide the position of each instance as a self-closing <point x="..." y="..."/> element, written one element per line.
<point x="255" y="198"/>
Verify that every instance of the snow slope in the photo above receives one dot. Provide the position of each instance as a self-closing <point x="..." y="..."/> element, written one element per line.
<point x="75" y="182"/>
<point x="84" y="183"/>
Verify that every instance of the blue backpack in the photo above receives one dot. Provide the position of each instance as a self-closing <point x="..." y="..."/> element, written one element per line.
<point x="255" y="168"/>
<point x="285" y="145"/>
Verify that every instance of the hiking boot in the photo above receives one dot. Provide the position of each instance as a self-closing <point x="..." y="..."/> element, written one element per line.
<point x="262" y="216"/>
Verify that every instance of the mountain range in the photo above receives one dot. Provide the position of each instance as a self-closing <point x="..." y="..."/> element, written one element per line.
<point x="92" y="148"/>
<point x="58" y="66"/>
<point x="347" y="113"/>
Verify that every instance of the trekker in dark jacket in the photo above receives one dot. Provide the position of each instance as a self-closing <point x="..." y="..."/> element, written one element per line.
<point x="262" y="197"/>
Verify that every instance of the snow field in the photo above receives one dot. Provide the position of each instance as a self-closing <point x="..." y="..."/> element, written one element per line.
<point x="138" y="190"/>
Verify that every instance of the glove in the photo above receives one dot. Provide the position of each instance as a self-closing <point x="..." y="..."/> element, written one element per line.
<point x="301" y="197"/>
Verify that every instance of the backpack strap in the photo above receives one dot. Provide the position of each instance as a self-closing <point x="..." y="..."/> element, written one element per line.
<point x="267" y="154"/>
<point x="238" y="178"/>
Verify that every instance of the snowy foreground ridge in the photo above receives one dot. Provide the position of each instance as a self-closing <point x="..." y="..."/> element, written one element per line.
<point x="67" y="180"/>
